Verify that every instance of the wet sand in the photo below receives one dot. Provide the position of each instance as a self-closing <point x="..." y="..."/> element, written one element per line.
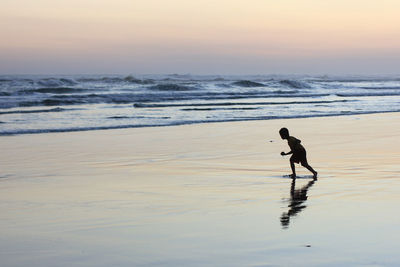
<point x="203" y="195"/>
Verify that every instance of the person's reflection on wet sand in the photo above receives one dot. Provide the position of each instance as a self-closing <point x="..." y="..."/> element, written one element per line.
<point x="297" y="199"/>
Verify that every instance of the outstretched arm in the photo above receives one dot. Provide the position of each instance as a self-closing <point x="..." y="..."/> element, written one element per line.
<point x="283" y="153"/>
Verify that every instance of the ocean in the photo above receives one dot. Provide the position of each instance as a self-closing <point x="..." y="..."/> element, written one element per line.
<point x="32" y="104"/>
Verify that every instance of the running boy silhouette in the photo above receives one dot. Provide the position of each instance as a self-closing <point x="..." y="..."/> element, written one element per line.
<point x="298" y="151"/>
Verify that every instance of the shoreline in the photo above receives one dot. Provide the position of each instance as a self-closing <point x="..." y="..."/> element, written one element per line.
<point x="105" y="128"/>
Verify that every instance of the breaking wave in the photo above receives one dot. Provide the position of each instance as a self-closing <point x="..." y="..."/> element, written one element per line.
<point x="171" y="87"/>
<point x="54" y="82"/>
<point x="295" y="84"/>
<point x="56" y="90"/>
<point x="246" y="83"/>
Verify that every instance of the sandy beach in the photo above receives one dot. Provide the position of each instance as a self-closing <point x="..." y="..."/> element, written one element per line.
<point x="203" y="195"/>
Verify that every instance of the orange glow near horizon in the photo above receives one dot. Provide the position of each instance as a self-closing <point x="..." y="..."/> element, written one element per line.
<point x="144" y="29"/>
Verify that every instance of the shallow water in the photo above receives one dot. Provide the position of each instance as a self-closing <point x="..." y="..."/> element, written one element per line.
<point x="95" y="199"/>
<point x="204" y="220"/>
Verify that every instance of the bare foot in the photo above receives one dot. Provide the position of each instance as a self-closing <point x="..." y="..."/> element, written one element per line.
<point x="315" y="175"/>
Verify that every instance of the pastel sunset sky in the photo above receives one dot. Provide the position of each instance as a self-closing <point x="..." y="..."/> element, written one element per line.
<point x="200" y="37"/>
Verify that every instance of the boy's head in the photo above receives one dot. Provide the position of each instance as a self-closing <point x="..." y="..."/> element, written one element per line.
<point x="284" y="132"/>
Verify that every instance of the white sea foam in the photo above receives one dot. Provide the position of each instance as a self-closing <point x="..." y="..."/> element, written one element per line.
<point x="34" y="104"/>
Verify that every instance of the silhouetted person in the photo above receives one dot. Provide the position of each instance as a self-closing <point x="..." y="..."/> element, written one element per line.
<point x="297" y="198"/>
<point x="298" y="151"/>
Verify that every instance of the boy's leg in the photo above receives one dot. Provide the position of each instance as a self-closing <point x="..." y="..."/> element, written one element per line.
<point x="293" y="168"/>
<point x="308" y="167"/>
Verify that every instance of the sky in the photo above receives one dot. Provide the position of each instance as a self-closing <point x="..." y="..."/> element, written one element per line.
<point x="200" y="37"/>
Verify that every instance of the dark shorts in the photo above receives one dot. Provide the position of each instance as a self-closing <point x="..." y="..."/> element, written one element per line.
<point x="299" y="156"/>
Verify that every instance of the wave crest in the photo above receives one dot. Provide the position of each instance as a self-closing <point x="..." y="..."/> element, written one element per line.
<point x="57" y="90"/>
<point x="247" y="83"/>
<point x="170" y="87"/>
<point x="55" y="82"/>
<point x="295" y="84"/>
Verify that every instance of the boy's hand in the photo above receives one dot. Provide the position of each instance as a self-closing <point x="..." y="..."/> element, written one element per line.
<point x="283" y="153"/>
